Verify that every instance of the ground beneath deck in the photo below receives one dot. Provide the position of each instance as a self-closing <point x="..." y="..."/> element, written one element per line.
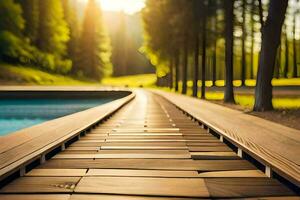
<point x="147" y="150"/>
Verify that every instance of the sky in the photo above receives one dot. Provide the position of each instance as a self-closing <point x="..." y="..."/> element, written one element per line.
<point x="128" y="6"/>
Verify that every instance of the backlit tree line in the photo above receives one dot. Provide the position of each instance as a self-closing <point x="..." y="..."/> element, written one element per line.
<point x="49" y="34"/>
<point x="211" y="40"/>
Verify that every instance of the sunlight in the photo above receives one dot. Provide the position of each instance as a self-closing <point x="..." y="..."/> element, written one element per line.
<point x="128" y="6"/>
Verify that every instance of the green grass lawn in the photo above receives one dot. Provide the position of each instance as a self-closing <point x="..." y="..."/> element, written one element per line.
<point x="31" y="76"/>
<point x="144" y="80"/>
<point x="25" y="75"/>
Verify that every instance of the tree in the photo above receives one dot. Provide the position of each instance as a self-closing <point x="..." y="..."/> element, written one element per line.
<point x="229" y="98"/>
<point x="13" y="48"/>
<point x="71" y="17"/>
<point x="120" y="48"/>
<point x="196" y="19"/>
<point x="94" y="46"/>
<point x="203" y="66"/>
<point x="53" y="33"/>
<point x="243" y="64"/>
<point x="271" y="33"/>
<point x="31" y="16"/>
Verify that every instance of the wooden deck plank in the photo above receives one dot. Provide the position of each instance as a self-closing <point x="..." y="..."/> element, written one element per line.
<point x="35" y="197"/>
<point x="141" y="173"/>
<point x="178" y="187"/>
<point x="41" y="185"/>
<point x="240" y="173"/>
<point x="245" y="187"/>
<point x="122" y="197"/>
<point x="214" y="155"/>
<point x="57" y="172"/>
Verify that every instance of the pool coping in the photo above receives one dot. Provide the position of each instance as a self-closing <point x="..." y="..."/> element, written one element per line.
<point x="21" y="148"/>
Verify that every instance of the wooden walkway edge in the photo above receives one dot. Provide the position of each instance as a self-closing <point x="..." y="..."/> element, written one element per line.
<point x="26" y="145"/>
<point x="274" y="145"/>
<point x="147" y="150"/>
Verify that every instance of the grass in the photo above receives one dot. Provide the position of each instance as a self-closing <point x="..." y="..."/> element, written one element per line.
<point x="247" y="101"/>
<point x="31" y="76"/>
<point x="143" y="80"/>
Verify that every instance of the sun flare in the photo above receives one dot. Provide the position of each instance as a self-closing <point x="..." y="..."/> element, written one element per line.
<point x="128" y="6"/>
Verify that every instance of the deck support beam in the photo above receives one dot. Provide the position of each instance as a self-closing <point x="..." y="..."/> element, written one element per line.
<point x="268" y="171"/>
<point x="43" y="159"/>
<point x="22" y="171"/>
<point x="63" y="147"/>
<point x="240" y="152"/>
<point x="221" y="138"/>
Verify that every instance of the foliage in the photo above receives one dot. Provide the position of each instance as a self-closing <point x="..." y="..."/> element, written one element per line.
<point x="144" y="80"/>
<point x="94" y="45"/>
<point x="53" y="32"/>
<point x="33" y="76"/>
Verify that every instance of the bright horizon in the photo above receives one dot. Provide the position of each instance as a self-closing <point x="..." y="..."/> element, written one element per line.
<point x="128" y="6"/>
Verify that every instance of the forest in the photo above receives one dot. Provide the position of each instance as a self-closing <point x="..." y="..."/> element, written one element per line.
<point x="70" y="37"/>
<point x="213" y="40"/>
<point x="193" y="44"/>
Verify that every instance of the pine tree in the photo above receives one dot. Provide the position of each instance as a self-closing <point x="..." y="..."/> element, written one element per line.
<point x="53" y="32"/>
<point x="94" y="46"/>
<point x="120" y="48"/>
<point x="12" y="46"/>
<point x="71" y="17"/>
<point x="31" y="16"/>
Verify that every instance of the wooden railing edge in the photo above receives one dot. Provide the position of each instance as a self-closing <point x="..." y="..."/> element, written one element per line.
<point x="269" y="165"/>
<point x="20" y="164"/>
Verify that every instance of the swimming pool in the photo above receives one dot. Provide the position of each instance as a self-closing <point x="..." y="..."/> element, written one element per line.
<point x="16" y="114"/>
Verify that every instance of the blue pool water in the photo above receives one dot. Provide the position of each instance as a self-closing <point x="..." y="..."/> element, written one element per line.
<point x="16" y="114"/>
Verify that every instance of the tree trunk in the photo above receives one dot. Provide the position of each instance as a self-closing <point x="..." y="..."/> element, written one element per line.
<point x="243" y="67"/>
<point x="271" y="33"/>
<point x="177" y="62"/>
<point x="214" y="71"/>
<point x="286" y="65"/>
<point x="185" y="64"/>
<point x="171" y="73"/>
<point x="196" y="49"/>
<point x="203" y="78"/>
<point x="252" y="40"/>
<point x="196" y="67"/>
<point x="295" y="71"/>
<point x="229" y="97"/>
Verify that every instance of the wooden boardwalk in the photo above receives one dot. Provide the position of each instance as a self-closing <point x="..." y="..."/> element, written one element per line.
<point x="147" y="150"/>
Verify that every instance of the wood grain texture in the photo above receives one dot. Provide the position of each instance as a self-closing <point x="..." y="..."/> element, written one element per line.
<point x="141" y="173"/>
<point x="179" y="187"/>
<point x="270" y="142"/>
<point x="36" y="197"/>
<point x="245" y="187"/>
<point x="41" y="185"/>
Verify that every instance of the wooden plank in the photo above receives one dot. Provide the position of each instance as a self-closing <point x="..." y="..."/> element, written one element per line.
<point x="35" y="197"/>
<point x="144" y="147"/>
<point x="123" y="155"/>
<point x="239" y="173"/>
<point x="214" y="155"/>
<point x="245" y="187"/>
<point x="209" y="148"/>
<point x="178" y="187"/>
<point x="57" y="172"/>
<point x="123" y="197"/>
<point x="141" y="173"/>
<point x="41" y="185"/>
<point x="154" y="164"/>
